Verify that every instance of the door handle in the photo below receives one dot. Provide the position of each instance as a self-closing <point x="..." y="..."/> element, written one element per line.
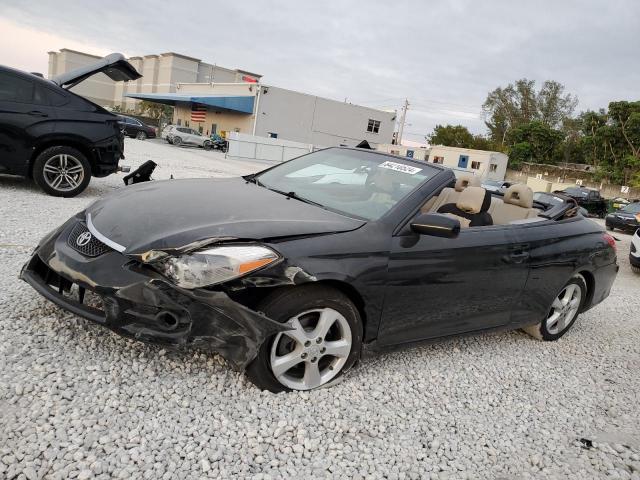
<point x="37" y="113"/>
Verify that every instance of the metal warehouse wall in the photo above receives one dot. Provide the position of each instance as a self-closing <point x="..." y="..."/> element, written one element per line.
<point x="309" y="119"/>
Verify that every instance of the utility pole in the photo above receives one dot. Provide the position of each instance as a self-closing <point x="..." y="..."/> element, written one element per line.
<point x="402" y="121"/>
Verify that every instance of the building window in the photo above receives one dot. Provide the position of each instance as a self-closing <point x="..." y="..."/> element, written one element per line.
<point x="476" y="165"/>
<point x="438" y="160"/>
<point x="373" y="126"/>
<point x="410" y="153"/>
<point x="273" y="135"/>
<point x="214" y="129"/>
<point x="179" y="122"/>
<point x="463" y="161"/>
<point x="186" y="123"/>
<point x="493" y="167"/>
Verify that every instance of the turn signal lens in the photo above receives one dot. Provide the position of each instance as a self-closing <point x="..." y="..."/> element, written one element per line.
<point x="610" y="240"/>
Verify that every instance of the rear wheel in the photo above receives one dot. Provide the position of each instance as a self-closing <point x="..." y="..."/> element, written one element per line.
<point x="324" y="343"/>
<point x="206" y="145"/>
<point x="563" y="312"/>
<point x="177" y="141"/>
<point x="62" y="171"/>
<point x="141" y="136"/>
<point x="635" y="270"/>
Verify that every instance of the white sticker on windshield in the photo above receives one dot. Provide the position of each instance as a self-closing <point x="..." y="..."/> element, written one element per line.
<point x="400" y="167"/>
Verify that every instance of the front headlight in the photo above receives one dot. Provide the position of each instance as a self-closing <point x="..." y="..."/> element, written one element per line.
<point x="215" y="265"/>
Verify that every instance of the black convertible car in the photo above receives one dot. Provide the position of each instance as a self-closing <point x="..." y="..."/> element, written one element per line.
<point x="295" y="272"/>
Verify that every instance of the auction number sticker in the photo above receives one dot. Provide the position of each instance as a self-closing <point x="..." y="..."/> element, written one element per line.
<point x="400" y="167"/>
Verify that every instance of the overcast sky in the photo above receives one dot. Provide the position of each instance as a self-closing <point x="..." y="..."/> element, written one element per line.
<point x="444" y="56"/>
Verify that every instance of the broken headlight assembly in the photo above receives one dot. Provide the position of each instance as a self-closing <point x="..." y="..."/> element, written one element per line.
<point x="215" y="265"/>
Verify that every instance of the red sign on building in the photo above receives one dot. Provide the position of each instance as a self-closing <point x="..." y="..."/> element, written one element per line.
<point x="246" y="78"/>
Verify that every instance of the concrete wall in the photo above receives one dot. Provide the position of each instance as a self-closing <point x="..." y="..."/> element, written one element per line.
<point x="485" y="158"/>
<point x="269" y="149"/>
<point x="320" y="121"/>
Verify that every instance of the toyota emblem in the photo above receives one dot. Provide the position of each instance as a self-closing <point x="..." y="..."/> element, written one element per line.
<point x="83" y="239"/>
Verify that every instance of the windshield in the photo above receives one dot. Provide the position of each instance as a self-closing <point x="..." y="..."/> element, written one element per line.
<point x="547" y="198"/>
<point x="631" y="208"/>
<point x="577" y="192"/>
<point x="358" y="183"/>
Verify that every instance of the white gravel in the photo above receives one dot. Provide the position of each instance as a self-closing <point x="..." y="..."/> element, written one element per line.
<point x="77" y="401"/>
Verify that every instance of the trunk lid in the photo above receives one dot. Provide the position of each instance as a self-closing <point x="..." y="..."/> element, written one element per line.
<point x="115" y="66"/>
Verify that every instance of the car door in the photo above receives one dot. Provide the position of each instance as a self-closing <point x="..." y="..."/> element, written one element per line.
<point x="444" y="286"/>
<point x="25" y="116"/>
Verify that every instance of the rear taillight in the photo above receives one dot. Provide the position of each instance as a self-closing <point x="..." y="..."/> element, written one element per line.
<point x="610" y="240"/>
<point x="638" y="217"/>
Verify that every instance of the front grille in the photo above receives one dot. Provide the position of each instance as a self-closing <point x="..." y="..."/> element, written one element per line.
<point x="91" y="247"/>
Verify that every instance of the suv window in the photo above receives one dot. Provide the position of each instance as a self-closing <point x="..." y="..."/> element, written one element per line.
<point x="15" y="89"/>
<point x="184" y="130"/>
<point x="56" y="99"/>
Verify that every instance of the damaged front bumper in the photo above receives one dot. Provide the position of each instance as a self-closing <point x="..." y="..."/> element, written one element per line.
<point x="134" y="301"/>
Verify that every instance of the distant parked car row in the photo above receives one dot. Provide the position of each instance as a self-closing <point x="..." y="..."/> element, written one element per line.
<point x="178" y="135"/>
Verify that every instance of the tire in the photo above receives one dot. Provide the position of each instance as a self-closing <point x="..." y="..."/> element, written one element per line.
<point x="177" y="141"/>
<point x="49" y="166"/>
<point x="610" y="228"/>
<point x="141" y="136"/>
<point x="206" y="145"/>
<point x="551" y="328"/>
<point x="305" y="304"/>
<point x="635" y="270"/>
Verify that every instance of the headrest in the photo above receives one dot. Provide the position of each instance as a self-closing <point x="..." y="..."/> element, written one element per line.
<point x="465" y="181"/>
<point x="520" y="195"/>
<point x="474" y="200"/>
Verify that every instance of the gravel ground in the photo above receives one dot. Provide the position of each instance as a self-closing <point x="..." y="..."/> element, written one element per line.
<point x="77" y="401"/>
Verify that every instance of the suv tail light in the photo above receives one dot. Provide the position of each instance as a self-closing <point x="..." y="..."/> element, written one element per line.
<point x="610" y="240"/>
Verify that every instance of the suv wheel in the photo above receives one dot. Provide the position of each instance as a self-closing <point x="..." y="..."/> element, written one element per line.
<point x="62" y="171"/>
<point x="141" y="136"/>
<point x="177" y="141"/>
<point x="206" y="145"/>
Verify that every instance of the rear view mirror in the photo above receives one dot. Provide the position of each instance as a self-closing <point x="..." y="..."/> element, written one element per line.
<point x="436" y="225"/>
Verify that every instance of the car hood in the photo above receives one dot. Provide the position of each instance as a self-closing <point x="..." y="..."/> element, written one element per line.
<point x="115" y="66"/>
<point x="175" y="215"/>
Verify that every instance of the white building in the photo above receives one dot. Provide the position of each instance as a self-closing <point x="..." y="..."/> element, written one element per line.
<point x="483" y="163"/>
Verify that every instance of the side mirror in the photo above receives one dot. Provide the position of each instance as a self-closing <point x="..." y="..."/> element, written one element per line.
<point x="436" y="225"/>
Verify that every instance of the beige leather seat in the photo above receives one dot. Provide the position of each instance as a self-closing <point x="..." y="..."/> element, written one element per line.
<point x="450" y="195"/>
<point x="516" y="205"/>
<point x="471" y="202"/>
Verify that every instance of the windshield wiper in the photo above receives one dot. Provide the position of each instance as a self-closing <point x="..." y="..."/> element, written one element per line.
<point x="294" y="195"/>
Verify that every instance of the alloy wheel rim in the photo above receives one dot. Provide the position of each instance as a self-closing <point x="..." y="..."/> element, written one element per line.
<point x="564" y="309"/>
<point x="63" y="172"/>
<point x="314" y="352"/>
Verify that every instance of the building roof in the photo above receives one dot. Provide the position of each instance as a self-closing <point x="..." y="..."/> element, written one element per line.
<point x="231" y="103"/>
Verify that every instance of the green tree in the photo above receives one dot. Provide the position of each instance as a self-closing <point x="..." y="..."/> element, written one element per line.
<point x="458" y="136"/>
<point x="506" y="108"/>
<point x="534" y="142"/>
<point x="157" y="111"/>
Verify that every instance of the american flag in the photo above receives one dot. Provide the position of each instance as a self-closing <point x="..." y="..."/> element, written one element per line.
<point x="198" y="113"/>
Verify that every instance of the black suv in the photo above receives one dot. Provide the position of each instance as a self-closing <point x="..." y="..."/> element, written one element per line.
<point x="55" y="136"/>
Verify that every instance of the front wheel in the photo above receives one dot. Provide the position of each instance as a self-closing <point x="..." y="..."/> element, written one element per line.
<point x="141" y="136"/>
<point x="62" y="171"/>
<point x="563" y="312"/>
<point x="325" y="341"/>
<point x="206" y="145"/>
<point x="177" y="141"/>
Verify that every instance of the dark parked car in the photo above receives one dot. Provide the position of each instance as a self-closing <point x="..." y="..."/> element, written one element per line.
<point x="626" y="219"/>
<point x="588" y="198"/>
<point x="55" y="136"/>
<point x="134" y="128"/>
<point x="293" y="278"/>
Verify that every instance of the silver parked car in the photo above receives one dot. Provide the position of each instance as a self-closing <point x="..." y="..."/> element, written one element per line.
<point x="185" y="136"/>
